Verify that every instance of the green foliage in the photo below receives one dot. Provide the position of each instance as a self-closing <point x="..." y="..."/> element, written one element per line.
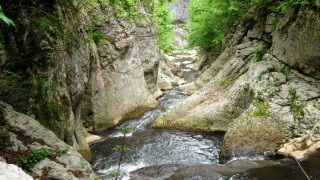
<point x="288" y="3"/>
<point x="29" y="161"/>
<point x="286" y="71"/>
<point x="262" y="73"/>
<point x="29" y="95"/>
<point x="121" y="148"/>
<point x="257" y="53"/>
<point x="124" y="129"/>
<point x="163" y="18"/>
<point x="4" y="138"/>
<point x="161" y="15"/>
<point x="209" y="20"/>
<point x="262" y="108"/>
<point x="296" y="106"/>
<point x="5" y="18"/>
<point x="112" y="175"/>
<point x="125" y="8"/>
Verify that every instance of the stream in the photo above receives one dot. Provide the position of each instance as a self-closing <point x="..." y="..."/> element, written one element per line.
<point x="150" y="147"/>
<point x="155" y="146"/>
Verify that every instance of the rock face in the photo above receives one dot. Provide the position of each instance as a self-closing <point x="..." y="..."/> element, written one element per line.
<point x="259" y="93"/>
<point x="179" y="10"/>
<point x="117" y="88"/>
<point x="10" y="171"/>
<point x="99" y="82"/>
<point x="27" y="134"/>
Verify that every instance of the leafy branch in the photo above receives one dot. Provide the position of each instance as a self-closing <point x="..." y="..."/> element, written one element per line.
<point x="5" y="18"/>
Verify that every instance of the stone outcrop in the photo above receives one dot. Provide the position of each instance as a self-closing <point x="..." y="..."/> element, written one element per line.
<point x="117" y="89"/>
<point x="261" y="90"/>
<point x="11" y="171"/>
<point x="26" y="134"/>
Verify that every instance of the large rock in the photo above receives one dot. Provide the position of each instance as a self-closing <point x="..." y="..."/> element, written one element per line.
<point x="297" y="43"/>
<point x="11" y="171"/>
<point x="117" y="89"/>
<point x="70" y="165"/>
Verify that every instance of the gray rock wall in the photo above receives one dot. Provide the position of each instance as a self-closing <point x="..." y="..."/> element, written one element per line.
<point x="99" y="85"/>
<point x="179" y="10"/>
<point x="117" y="89"/>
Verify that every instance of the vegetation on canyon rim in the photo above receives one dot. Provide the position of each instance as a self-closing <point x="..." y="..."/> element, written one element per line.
<point x="210" y="20"/>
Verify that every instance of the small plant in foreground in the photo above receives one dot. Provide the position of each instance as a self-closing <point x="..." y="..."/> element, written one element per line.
<point x="262" y="108"/>
<point x="4" y="138"/>
<point x="121" y="148"/>
<point x="296" y="106"/>
<point x="29" y="161"/>
<point x="112" y="175"/>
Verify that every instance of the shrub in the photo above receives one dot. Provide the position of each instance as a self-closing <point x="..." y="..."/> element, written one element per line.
<point x="29" y="161"/>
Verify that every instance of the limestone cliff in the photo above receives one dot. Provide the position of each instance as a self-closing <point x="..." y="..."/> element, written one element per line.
<point x="91" y="65"/>
<point x="117" y="89"/>
<point x="263" y="89"/>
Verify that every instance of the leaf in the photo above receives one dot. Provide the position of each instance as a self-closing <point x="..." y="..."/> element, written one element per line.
<point x="5" y="19"/>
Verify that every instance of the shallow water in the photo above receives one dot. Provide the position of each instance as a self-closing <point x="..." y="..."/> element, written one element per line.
<point x="155" y="146"/>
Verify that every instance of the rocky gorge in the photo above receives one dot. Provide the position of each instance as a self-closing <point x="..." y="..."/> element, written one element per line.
<point x="258" y="90"/>
<point x="262" y="91"/>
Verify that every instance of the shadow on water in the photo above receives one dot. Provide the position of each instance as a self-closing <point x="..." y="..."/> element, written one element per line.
<point x="287" y="169"/>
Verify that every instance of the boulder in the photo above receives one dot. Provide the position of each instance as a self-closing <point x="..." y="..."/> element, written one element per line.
<point x="28" y="134"/>
<point x="11" y="171"/>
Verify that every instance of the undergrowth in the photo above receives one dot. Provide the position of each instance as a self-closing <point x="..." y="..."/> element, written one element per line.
<point x="29" y="161"/>
<point x="29" y="95"/>
<point x="296" y="106"/>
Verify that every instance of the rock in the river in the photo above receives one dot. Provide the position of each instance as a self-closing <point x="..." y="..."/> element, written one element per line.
<point x="300" y="148"/>
<point x="193" y="172"/>
<point x="27" y="134"/>
<point x="255" y="90"/>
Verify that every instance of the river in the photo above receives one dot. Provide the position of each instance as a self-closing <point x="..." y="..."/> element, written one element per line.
<point x="150" y="147"/>
<point x="155" y="146"/>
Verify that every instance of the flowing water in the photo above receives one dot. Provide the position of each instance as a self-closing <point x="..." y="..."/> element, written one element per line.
<point x="155" y="146"/>
<point x="165" y="146"/>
